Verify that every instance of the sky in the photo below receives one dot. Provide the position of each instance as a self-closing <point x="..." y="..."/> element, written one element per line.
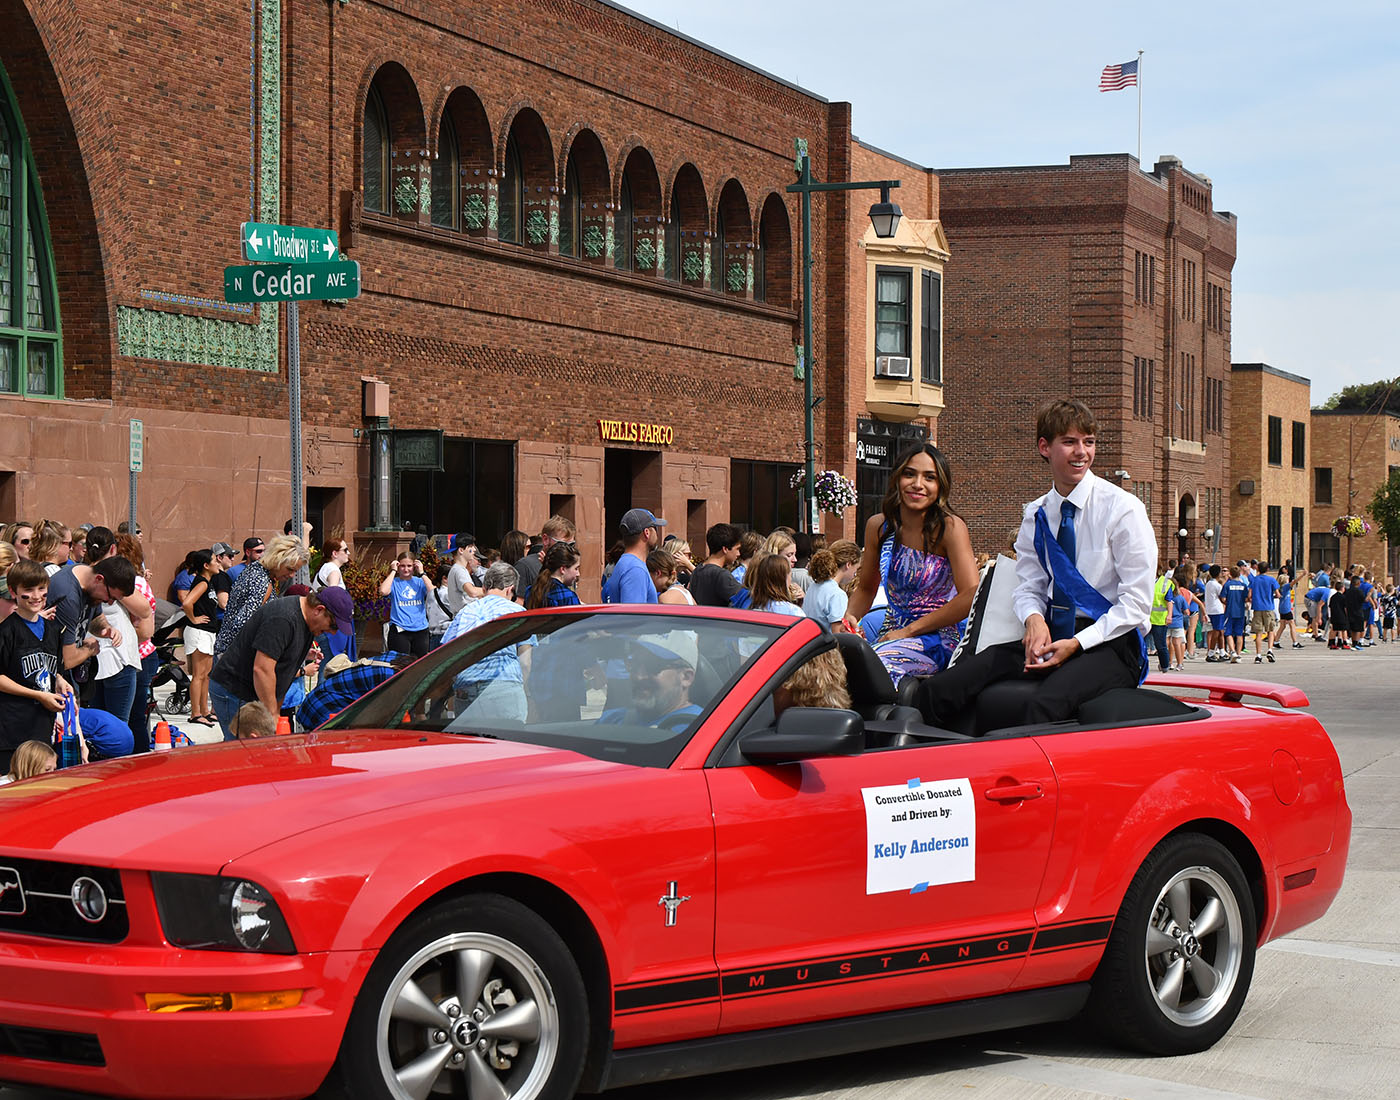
<point x="1292" y="110"/>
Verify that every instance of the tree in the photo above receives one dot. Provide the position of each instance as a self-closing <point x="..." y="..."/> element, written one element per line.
<point x="1385" y="508"/>
<point x="1367" y="397"/>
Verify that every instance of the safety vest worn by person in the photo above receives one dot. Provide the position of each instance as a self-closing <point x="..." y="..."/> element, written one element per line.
<point x="1161" y="612"/>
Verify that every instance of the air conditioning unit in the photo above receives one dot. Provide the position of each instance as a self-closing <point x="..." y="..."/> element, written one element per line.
<point x="893" y="366"/>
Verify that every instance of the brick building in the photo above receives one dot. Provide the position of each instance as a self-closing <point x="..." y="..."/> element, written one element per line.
<point x="1269" y="482"/>
<point x="1352" y="456"/>
<point x="579" y="263"/>
<point x="1108" y="283"/>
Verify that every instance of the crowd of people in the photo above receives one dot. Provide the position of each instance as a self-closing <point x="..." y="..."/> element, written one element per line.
<point x="78" y="613"/>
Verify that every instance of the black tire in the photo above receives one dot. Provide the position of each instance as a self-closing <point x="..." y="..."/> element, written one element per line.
<point x="1179" y="962"/>
<point x="521" y="967"/>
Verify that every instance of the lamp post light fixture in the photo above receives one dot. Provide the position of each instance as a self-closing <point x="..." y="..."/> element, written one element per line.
<point x="1209" y="536"/>
<point x="884" y="218"/>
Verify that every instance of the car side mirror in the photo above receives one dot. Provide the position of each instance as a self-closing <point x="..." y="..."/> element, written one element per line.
<point x="805" y="732"/>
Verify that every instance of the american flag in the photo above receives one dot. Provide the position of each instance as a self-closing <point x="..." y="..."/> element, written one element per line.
<point x="1117" y="77"/>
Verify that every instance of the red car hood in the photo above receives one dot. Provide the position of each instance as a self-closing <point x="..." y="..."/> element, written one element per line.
<point x="194" y="809"/>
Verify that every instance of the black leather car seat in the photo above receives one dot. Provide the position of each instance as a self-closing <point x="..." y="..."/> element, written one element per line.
<point x="872" y="690"/>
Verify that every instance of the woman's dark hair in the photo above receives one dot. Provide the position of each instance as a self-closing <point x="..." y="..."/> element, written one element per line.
<point x="936" y="518"/>
<point x="514" y="546"/>
<point x="559" y="556"/>
<point x="198" y="561"/>
<point x="99" y="541"/>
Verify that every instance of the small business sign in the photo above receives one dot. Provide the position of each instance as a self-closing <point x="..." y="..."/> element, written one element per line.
<point x="138" y="445"/>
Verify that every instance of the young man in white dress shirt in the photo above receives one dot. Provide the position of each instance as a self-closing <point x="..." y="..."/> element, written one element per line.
<point x="1113" y="547"/>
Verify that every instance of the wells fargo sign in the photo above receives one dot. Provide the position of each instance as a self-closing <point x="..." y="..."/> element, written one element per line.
<point x="634" y="431"/>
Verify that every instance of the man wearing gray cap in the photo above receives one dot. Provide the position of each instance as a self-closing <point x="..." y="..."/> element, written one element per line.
<point x="631" y="581"/>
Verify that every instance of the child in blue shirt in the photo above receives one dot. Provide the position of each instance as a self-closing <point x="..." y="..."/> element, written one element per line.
<point x="1235" y="593"/>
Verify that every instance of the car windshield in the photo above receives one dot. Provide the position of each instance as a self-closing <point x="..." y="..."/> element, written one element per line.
<point x="616" y="686"/>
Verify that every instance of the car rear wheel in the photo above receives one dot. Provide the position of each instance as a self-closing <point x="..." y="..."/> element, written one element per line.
<point x="1179" y="962"/>
<point x="477" y="998"/>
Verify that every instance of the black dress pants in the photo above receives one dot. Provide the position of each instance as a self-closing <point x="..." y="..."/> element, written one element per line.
<point x="1116" y="663"/>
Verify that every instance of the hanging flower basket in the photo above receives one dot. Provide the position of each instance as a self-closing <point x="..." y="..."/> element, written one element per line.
<point x="1353" y="526"/>
<point x="835" y="493"/>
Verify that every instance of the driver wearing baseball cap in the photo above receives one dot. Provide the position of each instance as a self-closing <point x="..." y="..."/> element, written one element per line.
<point x="631" y="581"/>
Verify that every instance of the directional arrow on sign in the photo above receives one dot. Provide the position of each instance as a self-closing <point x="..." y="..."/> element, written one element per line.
<point x="288" y="244"/>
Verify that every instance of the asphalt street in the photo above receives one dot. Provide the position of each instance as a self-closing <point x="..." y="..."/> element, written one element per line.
<point x="1322" y="1021"/>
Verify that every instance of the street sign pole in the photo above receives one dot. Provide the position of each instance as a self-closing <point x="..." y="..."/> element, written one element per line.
<point x="137" y="439"/>
<point x="294" y="413"/>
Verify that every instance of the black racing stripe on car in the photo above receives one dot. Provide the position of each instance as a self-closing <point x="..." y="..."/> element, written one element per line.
<point x="666" y="994"/>
<point x="1058" y="937"/>
<point x="894" y="962"/>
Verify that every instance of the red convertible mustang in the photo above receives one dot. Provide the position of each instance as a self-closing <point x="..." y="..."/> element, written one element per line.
<point x="577" y="850"/>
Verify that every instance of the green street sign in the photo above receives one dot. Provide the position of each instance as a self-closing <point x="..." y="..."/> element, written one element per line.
<point x="292" y="282"/>
<point x="288" y="244"/>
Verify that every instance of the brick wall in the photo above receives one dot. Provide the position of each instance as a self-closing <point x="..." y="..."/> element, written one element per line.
<point x="1260" y="392"/>
<point x="1360" y="450"/>
<point x="1041" y="302"/>
<point x="142" y="126"/>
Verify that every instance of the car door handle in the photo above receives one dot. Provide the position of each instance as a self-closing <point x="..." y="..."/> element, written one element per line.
<point x="1015" y="792"/>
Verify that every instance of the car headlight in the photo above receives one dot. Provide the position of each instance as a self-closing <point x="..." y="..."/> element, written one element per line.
<point x="220" y="914"/>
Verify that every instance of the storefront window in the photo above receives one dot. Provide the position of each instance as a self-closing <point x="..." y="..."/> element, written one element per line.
<point x="879" y="444"/>
<point x="761" y="495"/>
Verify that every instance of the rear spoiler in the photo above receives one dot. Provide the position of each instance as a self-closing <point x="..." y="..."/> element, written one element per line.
<point x="1222" y="689"/>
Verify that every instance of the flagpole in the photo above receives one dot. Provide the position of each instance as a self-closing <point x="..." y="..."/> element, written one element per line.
<point x="1139" y="87"/>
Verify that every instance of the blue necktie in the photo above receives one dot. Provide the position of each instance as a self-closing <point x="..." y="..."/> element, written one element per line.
<point x="1061" y="605"/>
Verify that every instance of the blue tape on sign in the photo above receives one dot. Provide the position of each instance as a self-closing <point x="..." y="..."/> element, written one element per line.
<point x="920" y="888"/>
<point x="913" y="782"/>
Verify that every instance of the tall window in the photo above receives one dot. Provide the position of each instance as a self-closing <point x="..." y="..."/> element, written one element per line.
<point x="1300" y="431"/>
<point x="30" y="345"/>
<point x="571" y="212"/>
<point x="892" y="311"/>
<point x="511" y="206"/>
<point x="1144" y="383"/>
<point x="931" y="326"/>
<point x="1322" y="484"/>
<point x="1296" y="541"/>
<point x="1274" y="534"/>
<point x="1215" y="405"/>
<point x="1144" y="278"/>
<point x="375" y="171"/>
<point x="623" y="228"/>
<point x="1188" y="289"/>
<point x="446" y="177"/>
<point x="1275" y="441"/>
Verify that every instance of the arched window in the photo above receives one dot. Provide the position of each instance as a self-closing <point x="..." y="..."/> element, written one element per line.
<point x="30" y="345"/>
<point x="527" y="180"/>
<point x="508" y="220"/>
<point x="733" y="240"/>
<point x="375" y="171"/>
<point x="688" y="228"/>
<point x="447" y="178"/>
<point x="772" y="274"/>
<point x="583" y="208"/>
<point x="640" y="224"/>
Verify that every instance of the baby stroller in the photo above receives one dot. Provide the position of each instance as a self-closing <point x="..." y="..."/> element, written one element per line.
<point x="170" y="622"/>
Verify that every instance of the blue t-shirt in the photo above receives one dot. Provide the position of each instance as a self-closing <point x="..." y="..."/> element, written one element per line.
<point x="825" y="602"/>
<point x="1262" y="590"/>
<point x="630" y="582"/>
<point x="1319" y="593"/>
<point x="1234" y="593"/>
<point x="1285" y="599"/>
<point x="1178" y="606"/>
<point x="235" y="570"/>
<point x="408" y="607"/>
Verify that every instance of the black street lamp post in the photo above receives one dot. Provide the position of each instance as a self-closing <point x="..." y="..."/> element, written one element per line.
<point x="884" y="217"/>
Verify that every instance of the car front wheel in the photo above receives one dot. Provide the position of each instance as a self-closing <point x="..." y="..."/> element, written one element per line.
<point x="1179" y="961"/>
<point x="478" y="998"/>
